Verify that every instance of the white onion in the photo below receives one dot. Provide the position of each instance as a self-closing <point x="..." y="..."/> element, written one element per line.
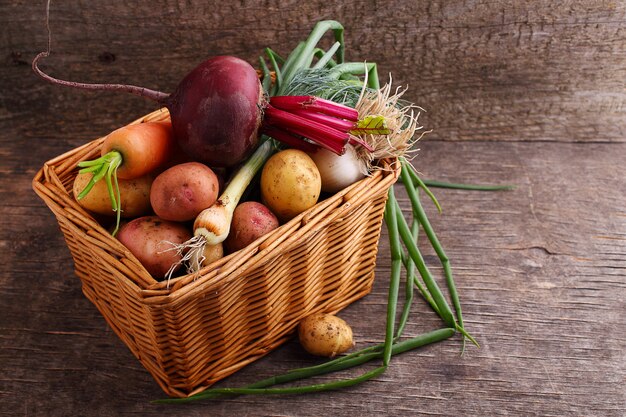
<point x="337" y="172"/>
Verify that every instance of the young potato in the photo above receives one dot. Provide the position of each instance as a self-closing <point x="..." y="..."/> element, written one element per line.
<point x="134" y="195"/>
<point x="149" y="238"/>
<point x="181" y="192"/>
<point x="325" y="335"/>
<point x="210" y="254"/>
<point x="251" y="220"/>
<point x="290" y="183"/>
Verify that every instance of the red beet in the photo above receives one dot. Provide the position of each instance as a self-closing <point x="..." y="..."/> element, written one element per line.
<point x="217" y="112"/>
<point x="216" y="109"/>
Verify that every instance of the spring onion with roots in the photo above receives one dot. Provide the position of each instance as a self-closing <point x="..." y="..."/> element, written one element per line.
<point x="212" y="225"/>
<point x="381" y="125"/>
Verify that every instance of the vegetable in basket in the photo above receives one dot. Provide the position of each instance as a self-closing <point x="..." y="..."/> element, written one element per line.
<point x="134" y="195"/>
<point x="148" y="239"/>
<point x="181" y="192"/>
<point x="128" y="153"/>
<point x="251" y="220"/>
<point x="290" y="183"/>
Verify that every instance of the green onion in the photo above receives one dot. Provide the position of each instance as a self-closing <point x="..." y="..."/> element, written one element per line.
<point x="420" y="214"/>
<point x="471" y="187"/>
<point x="433" y="288"/>
<point x="396" y="264"/>
<point x="410" y="279"/>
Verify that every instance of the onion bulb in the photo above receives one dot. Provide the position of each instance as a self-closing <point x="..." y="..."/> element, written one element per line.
<point x="338" y="171"/>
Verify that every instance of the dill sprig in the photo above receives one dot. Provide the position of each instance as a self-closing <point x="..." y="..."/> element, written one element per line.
<point x="321" y="82"/>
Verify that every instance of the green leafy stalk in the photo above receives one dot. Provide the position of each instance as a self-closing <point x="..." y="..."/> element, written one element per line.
<point x="396" y="264"/>
<point x="302" y="56"/>
<point x="355" y="68"/>
<point x="433" y="288"/>
<point x="104" y="168"/>
<point x="276" y="391"/>
<point x="469" y="187"/>
<point x="420" y="214"/>
<point x="410" y="279"/>
<point x="417" y="180"/>
<point x="327" y="57"/>
<point x="267" y="76"/>
<point x="272" y="57"/>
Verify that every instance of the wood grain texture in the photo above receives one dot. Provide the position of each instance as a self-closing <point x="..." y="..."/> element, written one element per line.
<point x="488" y="70"/>
<point x="517" y="93"/>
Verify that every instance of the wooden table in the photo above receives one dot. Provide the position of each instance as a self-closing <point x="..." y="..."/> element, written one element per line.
<point x="517" y="94"/>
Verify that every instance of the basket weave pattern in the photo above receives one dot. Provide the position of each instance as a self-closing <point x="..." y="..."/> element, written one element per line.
<point x="197" y="329"/>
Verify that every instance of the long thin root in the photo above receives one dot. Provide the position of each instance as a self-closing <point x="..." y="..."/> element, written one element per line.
<point x="191" y="254"/>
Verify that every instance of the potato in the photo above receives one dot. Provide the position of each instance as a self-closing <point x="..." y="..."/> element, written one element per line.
<point x="149" y="238"/>
<point x="290" y="183"/>
<point x="134" y="195"/>
<point x="210" y="254"/>
<point x="325" y="335"/>
<point x="181" y="192"/>
<point x="251" y="220"/>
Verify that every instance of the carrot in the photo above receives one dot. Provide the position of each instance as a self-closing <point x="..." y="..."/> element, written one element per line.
<point x="143" y="147"/>
<point x="129" y="152"/>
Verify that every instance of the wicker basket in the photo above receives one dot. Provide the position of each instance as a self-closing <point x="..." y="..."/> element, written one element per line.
<point x="200" y="329"/>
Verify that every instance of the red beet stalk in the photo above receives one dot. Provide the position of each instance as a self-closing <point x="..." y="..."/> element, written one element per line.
<point x="323" y="135"/>
<point x="324" y="122"/>
<point x="330" y="121"/>
<point x="288" y="138"/>
<point x="316" y="104"/>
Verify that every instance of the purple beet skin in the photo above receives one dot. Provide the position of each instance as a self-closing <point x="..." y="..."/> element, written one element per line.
<point x="216" y="111"/>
